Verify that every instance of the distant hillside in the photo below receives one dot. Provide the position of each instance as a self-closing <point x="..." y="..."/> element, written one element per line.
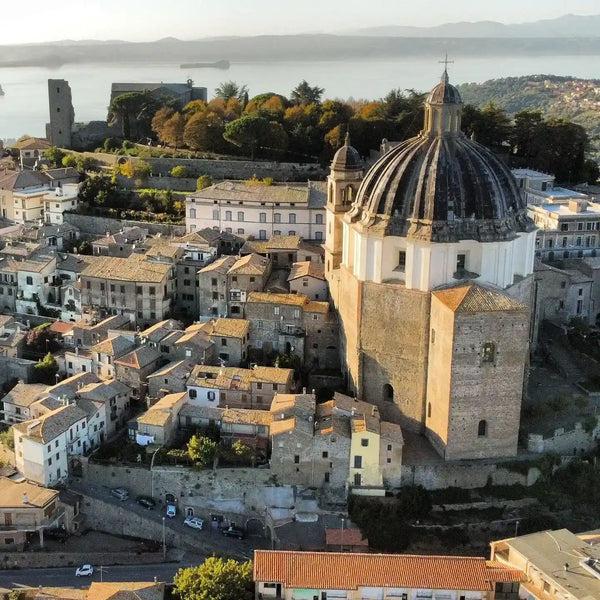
<point x="577" y="100"/>
<point x="562" y="27"/>
<point x="288" y="48"/>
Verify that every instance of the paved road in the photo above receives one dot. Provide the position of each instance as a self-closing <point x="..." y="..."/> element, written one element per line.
<point x="65" y="577"/>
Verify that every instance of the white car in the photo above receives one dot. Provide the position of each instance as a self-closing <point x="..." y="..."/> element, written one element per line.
<point x="194" y="522"/>
<point x="171" y="510"/>
<point x="84" y="571"/>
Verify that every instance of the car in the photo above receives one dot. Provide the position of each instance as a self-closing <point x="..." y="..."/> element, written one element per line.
<point x="194" y="522"/>
<point x="84" y="571"/>
<point x="121" y="493"/>
<point x="233" y="531"/>
<point x="146" y="502"/>
<point x="171" y="510"/>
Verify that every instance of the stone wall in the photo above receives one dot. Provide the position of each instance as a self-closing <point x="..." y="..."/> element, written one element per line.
<point x="223" y="169"/>
<point x="176" y="184"/>
<point x="465" y="475"/>
<point x="566" y="442"/>
<point x="15" y="368"/>
<point x="91" y="226"/>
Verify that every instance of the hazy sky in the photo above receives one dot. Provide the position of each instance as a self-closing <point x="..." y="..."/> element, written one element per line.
<point x="139" y="20"/>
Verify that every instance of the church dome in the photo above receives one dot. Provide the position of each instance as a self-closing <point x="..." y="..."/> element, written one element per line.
<point x="347" y="158"/>
<point x="441" y="186"/>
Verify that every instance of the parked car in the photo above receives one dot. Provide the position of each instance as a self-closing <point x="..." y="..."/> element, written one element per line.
<point x="194" y="522"/>
<point x="171" y="510"/>
<point x="120" y="493"/>
<point x="234" y="531"/>
<point x="84" y="571"/>
<point x="146" y="502"/>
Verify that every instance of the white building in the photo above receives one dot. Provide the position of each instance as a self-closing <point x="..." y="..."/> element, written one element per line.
<point x="538" y="188"/>
<point x="260" y="210"/>
<point x="29" y="204"/>
<point x="58" y="201"/>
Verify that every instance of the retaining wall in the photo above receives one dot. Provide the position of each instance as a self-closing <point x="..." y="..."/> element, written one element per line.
<point x="572" y="442"/>
<point x="95" y="226"/>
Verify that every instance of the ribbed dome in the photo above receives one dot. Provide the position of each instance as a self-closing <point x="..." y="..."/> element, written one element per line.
<point x="346" y="158"/>
<point x="444" y="92"/>
<point x="441" y="186"/>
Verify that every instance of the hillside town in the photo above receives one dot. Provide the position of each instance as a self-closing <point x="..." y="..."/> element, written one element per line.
<point x="376" y="380"/>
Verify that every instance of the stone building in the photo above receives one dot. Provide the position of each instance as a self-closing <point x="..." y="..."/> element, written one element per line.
<point x="308" y="278"/>
<point x="261" y="211"/>
<point x="435" y="212"/>
<point x="62" y="115"/>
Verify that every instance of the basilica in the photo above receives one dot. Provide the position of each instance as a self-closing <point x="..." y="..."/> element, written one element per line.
<point x="429" y="256"/>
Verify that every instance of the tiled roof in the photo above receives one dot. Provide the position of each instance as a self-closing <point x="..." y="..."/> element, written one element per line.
<point x="139" y="358"/>
<point x="180" y="368"/>
<point x="61" y="327"/>
<point x="135" y="268"/>
<point x="54" y="593"/>
<point x="236" y="328"/>
<point x="11" y="494"/>
<point x="115" y="346"/>
<point x="246" y="416"/>
<point x="316" y="307"/>
<point x="33" y="143"/>
<point x="158" y="414"/>
<point x="239" y="191"/>
<point x="272" y="374"/>
<point x="104" y="390"/>
<point x="258" y="246"/>
<point x="64" y="173"/>
<point x="221" y="265"/>
<point x="308" y="268"/>
<point x="202" y="237"/>
<point x="349" y="571"/>
<point x="474" y="298"/>
<point x="234" y="378"/>
<point x="126" y="590"/>
<point x="51" y="425"/>
<point x="346" y="537"/>
<point x="161" y="328"/>
<point x="284" y="242"/>
<point x="252" y="264"/>
<point x="392" y="432"/>
<point x="24" y="394"/>
<point x="291" y="299"/>
<point x="282" y="426"/>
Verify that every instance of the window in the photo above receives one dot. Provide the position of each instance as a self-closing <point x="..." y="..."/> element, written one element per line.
<point x="318" y="236"/>
<point x="262" y="234"/>
<point x="211" y="396"/>
<point x="228" y="215"/>
<point x="240" y="216"/>
<point x="259" y="385"/>
<point x="325" y="454"/>
<point x="461" y="261"/>
<point x="357" y="479"/>
<point x="215" y="295"/>
<point x="274" y="387"/>
<point x="240" y="231"/>
<point x="192" y="393"/>
<point x="30" y="281"/>
<point x="389" y="447"/>
<point x="364" y="442"/>
<point x="296" y="459"/>
<point x="276" y="232"/>
<point x="564" y="227"/>
<point x="319" y="219"/>
<point x="277" y="218"/>
<point x="138" y="290"/>
<point x="401" y="261"/>
<point x="215" y="214"/>
<point x="223" y="342"/>
<point x="122" y="289"/>
<point x="262" y="217"/>
<point x="579" y="306"/>
<point x="482" y="428"/>
<point x="152" y="291"/>
<point x="488" y="352"/>
<point x="388" y="393"/>
<point x="213" y="281"/>
<point x="292" y="218"/>
<point x="112" y="287"/>
<point x="358" y="462"/>
<point x="433" y="336"/>
<point x="276" y="310"/>
<point x="580" y="292"/>
<point x="429" y="410"/>
<point x="564" y="242"/>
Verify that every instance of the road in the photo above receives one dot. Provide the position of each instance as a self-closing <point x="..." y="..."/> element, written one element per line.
<point x="65" y="577"/>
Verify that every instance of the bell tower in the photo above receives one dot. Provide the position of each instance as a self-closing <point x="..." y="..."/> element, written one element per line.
<point x="342" y="186"/>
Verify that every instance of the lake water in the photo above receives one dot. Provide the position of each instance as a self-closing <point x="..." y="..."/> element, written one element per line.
<point x="24" y="107"/>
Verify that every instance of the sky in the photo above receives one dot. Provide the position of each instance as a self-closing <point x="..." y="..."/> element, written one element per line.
<point x="146" y="20"/>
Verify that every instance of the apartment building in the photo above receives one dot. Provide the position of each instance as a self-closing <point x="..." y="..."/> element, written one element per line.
<point x="58" y="201"/>
<point x="138" y="288"/>
<point x="260" y="211"/>
<point x="294" y="575"/>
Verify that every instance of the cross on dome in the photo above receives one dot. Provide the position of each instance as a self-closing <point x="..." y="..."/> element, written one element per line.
<point x="445" y="62"/>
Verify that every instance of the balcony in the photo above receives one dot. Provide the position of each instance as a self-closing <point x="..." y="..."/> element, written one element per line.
<point x="291" y="331"/>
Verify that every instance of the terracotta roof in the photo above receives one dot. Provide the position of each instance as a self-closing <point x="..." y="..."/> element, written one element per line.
<point x="316" y="307"/>
<point x="246" y="416"/>
<point x="159" y="413"/>
<point x="252" y="264"/>
<point x="31" y="143"/>
<point x="180" y="368"/>
<point x="284" y="242"/>
<point x="237" y="328"/>
<point x="234" y="378"/>
<point x="54" y="593"/>
<point x="473" y="299"/>
<point x="307" y="268"/>
<point x="265" y="297"/>
<point x="221" y="265"/>
<point x="139" y="358"/>
<point x="347" y="537"/>
<point x="282" y="426"/>
<point x="114" y="346"/>
<point x="11" y="494"/>
<point x="61" y="327"/>
<point x="135" y="268"/>
<point x="349" y="571"/>
<point x="126" y="590"/>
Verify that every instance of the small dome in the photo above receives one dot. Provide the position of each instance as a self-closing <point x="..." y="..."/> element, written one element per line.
<point x="444" y="93"/>
<point x="441" y="186"/>
<point x="347" y="158"/>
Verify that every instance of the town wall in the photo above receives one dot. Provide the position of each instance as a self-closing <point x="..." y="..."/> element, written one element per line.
<point x="221" y="168"/>
<point x="566" y="442"/>
<point x="96" y="226"/>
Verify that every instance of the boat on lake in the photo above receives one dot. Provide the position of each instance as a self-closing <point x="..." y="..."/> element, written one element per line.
<point x="219" y="64"/>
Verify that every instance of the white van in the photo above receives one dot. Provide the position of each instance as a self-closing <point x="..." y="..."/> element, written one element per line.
<point x="120" y="493"/>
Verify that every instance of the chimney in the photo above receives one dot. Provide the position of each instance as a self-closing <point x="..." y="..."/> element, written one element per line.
<point x="577" y="205"/>
<point x="25" y="499"/>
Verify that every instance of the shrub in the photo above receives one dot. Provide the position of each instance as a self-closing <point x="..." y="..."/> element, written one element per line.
<point x="7" y="439"/>
<point x="127" y="145"/>
<point x="180" y="171"/>
<point x="143" y="169"/>
<point x="69" y="161"/>
<point x="203" y="181"/>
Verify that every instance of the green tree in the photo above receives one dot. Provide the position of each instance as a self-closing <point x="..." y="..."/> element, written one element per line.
<point x="180" y="171"/>
<point x="69" y="161"/>
<point x="7" y="438"/>
<point x="45" y="370"/>
<point x="110" y="144"/>
<point x="55" y="155"/>
<point x="202" y="449"/>
<point x="99" y="190"/>
<point x="304" y="93"/>
<point x="133" y="111"/>
<point x="142" y="169"/>
<point x="203" y="181"/>
<point x="216" y="579"/>
<point x="249" y="132"/>
<point x="85" y="163"/>
<point x="489" y="126"/>
<point x="230" y="89"/>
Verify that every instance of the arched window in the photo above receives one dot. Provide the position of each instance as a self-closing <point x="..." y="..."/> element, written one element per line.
<point x="349" y="193"/>
<point x="388" y="393"/>
<point x="482" y="428"/>
<point x="319" y="220"/>
<point x="429" y="410"/>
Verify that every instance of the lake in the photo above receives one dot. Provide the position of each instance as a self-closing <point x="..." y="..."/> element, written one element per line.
<point x="24" y="107"/>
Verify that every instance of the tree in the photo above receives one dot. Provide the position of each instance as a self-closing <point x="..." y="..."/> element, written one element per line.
<point x="304" y="93"/>
<point x="111" y="144"/>
<point x="133" y="111"/>
<point x="161" y="116"/>
<point x="230" y="89"/>
<point x="8" y="439"/>
<point x="203" y="181"/>
<point x="142" y="169"/>
<point x="45" y="370"/>
<point x="216" y="579"/>
<point x="85" y="163"/>
<point x="69" y="161"/>
<point x="180" y="171"/>
<point x="202" y="449"/>
<point x="99" y="190"/>
<point x="172" y="130"/>
<point x="55" y="155"/>
<point x="40" y="340"/>
<point x="489" y="126"/>
<point x="248" y="132"/>
<point x="204" y="131"/>
<point x="127" y="169"/>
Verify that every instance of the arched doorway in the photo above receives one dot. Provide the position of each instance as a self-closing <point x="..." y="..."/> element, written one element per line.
<point x="388" y="393"/>
<point x="189" y="511"/>
<point x="170" y="498"/>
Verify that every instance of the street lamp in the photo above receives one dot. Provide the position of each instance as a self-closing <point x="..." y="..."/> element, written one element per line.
<point x="342" y="540"/>
<point x="164" y="544"/>
<point x="516" y="528"/>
